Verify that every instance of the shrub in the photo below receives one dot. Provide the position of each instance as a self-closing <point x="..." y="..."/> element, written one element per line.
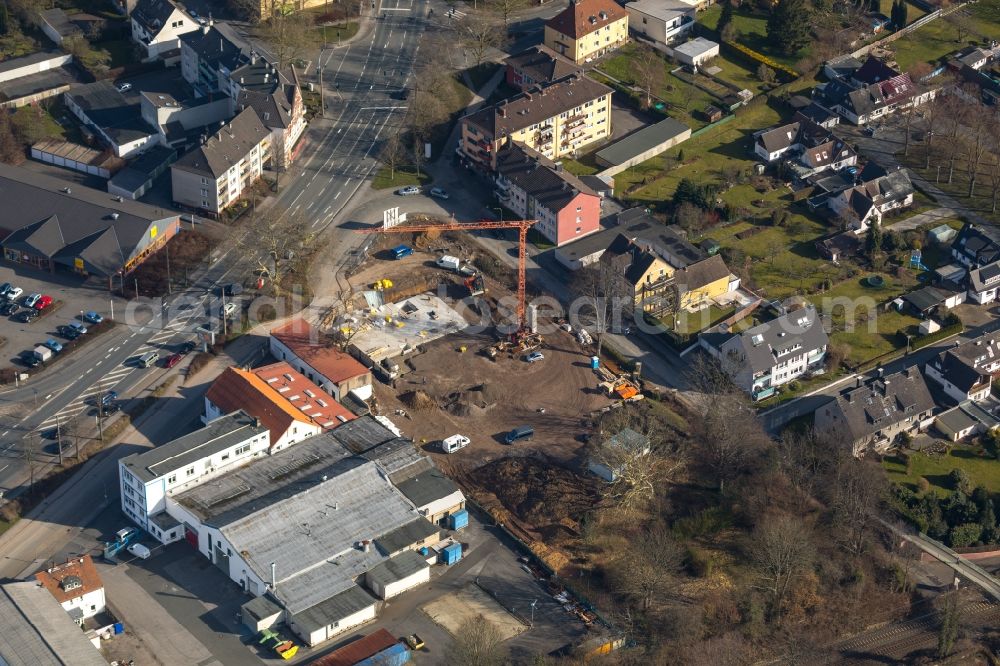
<point x="960" y="481"/>
<point x="923" y="485"/>
<point x="700" y="562"/>
<point x="964" y="535"/>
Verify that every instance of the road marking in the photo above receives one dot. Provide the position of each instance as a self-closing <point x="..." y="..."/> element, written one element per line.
<point x="108" y="356"/>
<point x="337" y="197"/>
<point x="89" y="370"/>
<point x="48" y="396"/>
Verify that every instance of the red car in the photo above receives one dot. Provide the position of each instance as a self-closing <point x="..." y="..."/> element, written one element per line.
<point x="43" y="302"/>
<point x="173" y="360"/>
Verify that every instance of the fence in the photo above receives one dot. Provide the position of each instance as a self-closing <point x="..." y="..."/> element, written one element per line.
<point x="923" y="20"/>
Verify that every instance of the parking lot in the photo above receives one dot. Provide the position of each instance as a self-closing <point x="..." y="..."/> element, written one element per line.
<point x="71" y="297"/>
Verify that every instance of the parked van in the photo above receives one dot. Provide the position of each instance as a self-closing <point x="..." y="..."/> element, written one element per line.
<point x="139" y="551"/>
<point x="454" y="443"/>
<point x="520" y="432"/>
<point x="401" y="251"/>
<point x="449" y="262"/>
<point x="148" y="359"/>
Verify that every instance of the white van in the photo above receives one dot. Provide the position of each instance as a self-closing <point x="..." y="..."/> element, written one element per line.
<point x="139" y="551"/>
<point x="454" y="443"/>
<point x="148" y="359"/>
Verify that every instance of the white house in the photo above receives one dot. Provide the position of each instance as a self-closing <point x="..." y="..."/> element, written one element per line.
<point x="147" y="478"/>
<point x="624" y="443"/>
<point x="984" y="283"/>
<point x="157" y="26"/>
<point x="965" y="372"/>
<point x="878" y="192"/>
<point x="333" y="370"/>
<point x="662" y="21"/>
<point x="77" y="586"/>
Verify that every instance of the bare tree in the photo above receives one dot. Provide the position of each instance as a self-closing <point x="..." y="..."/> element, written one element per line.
<point x="858" y="492"/>
<point x="393" y="153"/>
<point x="648" y="570"/>
<point x="782" y="551"/>
<point x="477" y="34"/>
<point x="289" y="34"/>
<point x="954" y="109"/>
<point x="478" y="642"/>
<point x="961" y="23"/>
<point x="993" y="169"/>
<point x="980" y="125"/>
<point x="933" y="112"/>
<point x="604" y="294"/>
<point x="505" y="9"/>
<point x="650" y="71"/>
<point x="731" y="436"/>
<point x="272" y="241"/>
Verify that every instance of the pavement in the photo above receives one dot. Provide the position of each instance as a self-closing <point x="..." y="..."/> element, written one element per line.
<point x="935" y="216"/>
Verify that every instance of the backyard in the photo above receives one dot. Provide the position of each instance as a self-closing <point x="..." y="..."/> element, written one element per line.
<point x="983" y="470"/>
<point x="940" y="37"/>
<point x="982" y="199"/>
<point x="751" y="31"/>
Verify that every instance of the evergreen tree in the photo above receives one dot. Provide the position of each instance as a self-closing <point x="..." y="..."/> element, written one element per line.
<point x="788" y="26"/>
<point x="904" y="10"/>
<point x="4" y="18"/>
<point x="874" y="239"/>
<point x="726" y="18"/>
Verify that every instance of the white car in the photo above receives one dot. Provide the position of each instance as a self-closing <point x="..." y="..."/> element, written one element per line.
<point x="407" y="191"/>
<point x="139" y="551"/>
<point x="32" y="299"/>
<point x="534" y="356"/>
<point x="14" y="294"/>
<point x="438" y="193"/>
<point x="125" y="87"/>
<point x="454" y="443"/>
<point x="230" y="309"/>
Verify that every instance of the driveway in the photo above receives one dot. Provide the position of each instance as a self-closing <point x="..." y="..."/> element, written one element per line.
<point x="936" y="216"/>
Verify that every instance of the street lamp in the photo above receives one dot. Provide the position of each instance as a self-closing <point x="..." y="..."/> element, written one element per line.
<point x="499" y="209"/>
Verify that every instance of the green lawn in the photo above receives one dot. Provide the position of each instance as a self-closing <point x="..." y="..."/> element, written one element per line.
<point x="938" y="38"/>
<point x="481" y="74"/>
<point x="4" y="526"/>
<point x="983" y="471"/>
<point x="982" y="199"/>
<point x="403" y="176"/>
<point x="585" y="166"/>
<point x="736" y="73"/>
<point x="331" y="34"/>
<point x="688" y="323"/>
<point x="752" y="32"/>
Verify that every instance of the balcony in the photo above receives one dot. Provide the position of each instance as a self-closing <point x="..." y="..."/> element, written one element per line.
<point x="575" y="121"/>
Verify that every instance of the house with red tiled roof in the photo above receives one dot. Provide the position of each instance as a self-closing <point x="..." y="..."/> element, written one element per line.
<point x="587" y="29"/>
<point x="77" y="586"/>
<point x="290" y="406"/>
<point x="318" y="358"/>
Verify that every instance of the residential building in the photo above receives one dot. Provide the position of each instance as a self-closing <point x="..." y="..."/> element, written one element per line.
<point x="36" y="630"/>
<point x="640" y="276"/>
<point x="182" y="122"/>
<point x="50" y="223"/>
<point x="984" y="283"/>
<point x="966" y="419"/>
<point x="818" y="114"/>
<point x="609" y="461"/>
<point x="965" y="371"/>
<point x="537" y="65"/>
<point x="587" y="29"/>
<point x="973" y="248"/>
<point x="105" y="112"/>
<point x="333" y="370"/>
<point x="873" y="415"/>
<point x="701" y="284"/>
<point x="876" y="194"/>
<point x="209" y="55"/>
<point x="215" y="175"/>
<point x="791" y="140"/>
<point x="148" y="478"/>
<point x="57" y="26"/>
<point x="860" y="103"/>
<point x="696" y="52"/>
<point x="281" y="398"/>
<point x="555" y="119"/>
<point x="771" y="354"/>
<point x="660" y="21"/>
<point x="277" y="99"/>
<point x="535" y="187"/>
<point x="157" y="26"/>
<point x="77" y="587"/>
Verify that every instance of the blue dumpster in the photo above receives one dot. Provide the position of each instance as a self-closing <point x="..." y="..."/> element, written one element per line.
<point x="451" y="554"/>
<point x="458" y="520"/>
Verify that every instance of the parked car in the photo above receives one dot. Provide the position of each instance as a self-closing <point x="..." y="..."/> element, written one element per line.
<point x="172" y="360"/>
<point x="139" y="551"/>
<point x="520" y="432"/>
<point x="234" y="289"/>
<point x="92" y="317"/>
<point x="534" y="357"/>
<point x="125" y="87"/>
<point x="53" y="345"/>
<point x="7" y="309"/>
<point x="414" y="642"/>
<point x="438" y="193"/>
<point x="14" y="293"/>
<point x="26" y="316"/>
<point x="68" y="332"/>
<point x="868" y="131"/>
<point x="407" y="191"/>
<point x="108" y="397"/>
<point x="230" y="309"/>
<point x="79" y="328"/>
<point x="31" y="299"/>
<point x="188" y="347"/>
<point x="43" y="302"/>
<point x="5" y="287"/>
<point x="29" y="359"/>
<point x="401" y="95"/>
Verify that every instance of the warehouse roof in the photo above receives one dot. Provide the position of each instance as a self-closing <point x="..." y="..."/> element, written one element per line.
<point x="106" y="107"/>
<point x="639" y="142"/>
<point x="426" y="487"/>
<point x="358" y="650"/>
<point x="396" y="568"/>
<point x="37" y="630"/>
<point x="333" y="610"/>
<point x="65" y="221"/>
<point x="224" y="149"/>
<point x="406" y="535"/>
<point x="217" y="436"/>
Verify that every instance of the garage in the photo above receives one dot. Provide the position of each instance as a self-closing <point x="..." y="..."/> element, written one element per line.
<point x="398" y="574"/>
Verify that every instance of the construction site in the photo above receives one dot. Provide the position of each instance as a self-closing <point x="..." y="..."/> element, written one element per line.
<point x="440" y="378"/>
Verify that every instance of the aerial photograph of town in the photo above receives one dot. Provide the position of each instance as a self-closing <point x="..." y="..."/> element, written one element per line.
<point x="499" y="332"/>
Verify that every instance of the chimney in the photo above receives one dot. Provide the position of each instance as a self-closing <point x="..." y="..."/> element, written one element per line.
<point x="253" y="57"/>
<point x="860" y="381"/>
<point x="559" y="167"/>
<point x="502" y="110"/>
<point x="274" y="581"/>
<point x="204" y="29"/>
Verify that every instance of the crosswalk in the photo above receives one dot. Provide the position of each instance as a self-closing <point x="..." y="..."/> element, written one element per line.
<point x="453" y="13"/>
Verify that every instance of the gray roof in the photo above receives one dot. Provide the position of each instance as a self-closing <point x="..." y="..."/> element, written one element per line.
<point x="406" y="535"/>
<point x="975" y="245"/>
<point x="817" y="113"/>
<point x="107" y="109"/>
<point x="396" y="568"/>
<point x="985" y="277"/>
<point x="956" y="420"/>
<point x="261" y="607"/>
<point x="153" y="14"/>
<point x="696" y="47"/>
<point x="980" y="415"/>
<point x="363" y="434"/>
<point x="926" y="298"/>
<point x="666" y="10"/>
<point x="224" y="149"/>
<point x="638" y="225"/>
<point x="397" y="456"/>
<point x="882" y="402"/>
<point x="37" y="631"/>
<point x="542" y="64"/>
<point x="639" y="142"/>
<point x="426" y="487"/>
<point x="550" y="186"/>
<point x="980" y="351"/>
<point x="217" y="46"/>
<point x="30" y="59"/>
<point x="164" y="521"/>
<point x="333" y="610"/>
<point x="42" y="217"/>
<point x="221" y="434"/>
<point x="760" y="347"/>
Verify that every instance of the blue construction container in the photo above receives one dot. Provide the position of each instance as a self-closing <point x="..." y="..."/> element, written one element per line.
<point x="595" y="362"/>
<point x="458" y="520"/>
<point x="452" y="554"/>
<point x="118" y="628"/>
<point x="396" y="655"/>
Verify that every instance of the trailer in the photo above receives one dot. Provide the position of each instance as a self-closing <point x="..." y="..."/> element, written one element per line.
<point x="42" y="353"/>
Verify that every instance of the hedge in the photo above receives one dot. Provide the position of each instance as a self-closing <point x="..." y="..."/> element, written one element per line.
<point x="937" y="336"/>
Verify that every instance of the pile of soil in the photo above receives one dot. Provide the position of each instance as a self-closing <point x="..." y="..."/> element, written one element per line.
<point x="536" y="492"/>
<point x="418" y="400"/>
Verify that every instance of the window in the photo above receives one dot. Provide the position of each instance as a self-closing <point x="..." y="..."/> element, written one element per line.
<point x="172" y="478"/>
<point x="190" y="471"/>
<point x="204" y="181"/>
<point x="242" y="449"/>
<point x="225" y="457"/>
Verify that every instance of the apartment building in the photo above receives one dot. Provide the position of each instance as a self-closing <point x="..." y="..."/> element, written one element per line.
<point x="147" y="478"/>
<point x="276" y="96"/>
<point x="535" y="187"/>
<point x="663" y="21"/>
<point x="77" y="587"/>
<point x="157" y="26"/>
<point x="217" y="173"/>
<point x="555" y="119"/>
<point x="209" y="55"/>
<point x="587" y="29"/>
